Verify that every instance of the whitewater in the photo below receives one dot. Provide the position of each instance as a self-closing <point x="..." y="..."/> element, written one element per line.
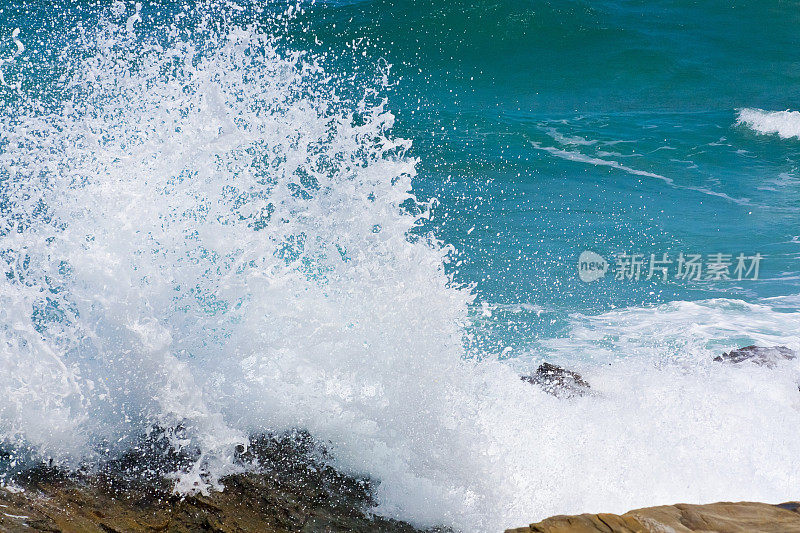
<point x="210" y="231"/>
<point x="785" y="124"/>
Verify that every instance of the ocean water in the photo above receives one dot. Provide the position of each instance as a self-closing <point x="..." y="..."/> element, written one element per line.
<point x="364" y="219"/>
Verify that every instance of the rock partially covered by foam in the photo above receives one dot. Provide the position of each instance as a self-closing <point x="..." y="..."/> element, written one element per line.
<point x="291" y="487"/>
<point x="558" y="381"/>
<point x="759" y="355"/>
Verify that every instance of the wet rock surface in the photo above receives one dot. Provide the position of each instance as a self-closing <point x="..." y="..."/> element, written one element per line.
<point x="292" y="489"/>
<point x="558" y="381"/>
<point x="743" y="517"/>
<point x="759" y="355"/>
<point x="249" y="503"/>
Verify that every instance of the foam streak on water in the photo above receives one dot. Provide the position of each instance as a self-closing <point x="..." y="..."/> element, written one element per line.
<point x="213" y="239"/>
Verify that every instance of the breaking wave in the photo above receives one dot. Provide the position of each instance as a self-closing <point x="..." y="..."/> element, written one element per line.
<point x="218" y="236"/>
<point x="786" y="124"/>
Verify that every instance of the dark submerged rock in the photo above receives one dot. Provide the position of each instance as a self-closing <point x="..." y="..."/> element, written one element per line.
<point x="558" y="381"/>
<point x="759" y="355"/>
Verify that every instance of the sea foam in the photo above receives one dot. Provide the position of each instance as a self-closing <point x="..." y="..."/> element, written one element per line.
<point x="785" y="124"/>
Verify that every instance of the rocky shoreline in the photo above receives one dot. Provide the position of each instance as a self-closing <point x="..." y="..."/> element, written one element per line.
<point x="249" y="503"/>
<point x="726" y="517"/>
<point x="266" y="503"/>
<point x="289" y="486"/>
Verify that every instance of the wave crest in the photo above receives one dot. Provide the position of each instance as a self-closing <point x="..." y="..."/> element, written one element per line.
<point x="210" y="237"/>
<point x="786" y="124"/>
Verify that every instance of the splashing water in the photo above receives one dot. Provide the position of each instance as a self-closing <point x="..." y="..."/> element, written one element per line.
<point x="215" y="238"/>
<point x="192" y="234"/>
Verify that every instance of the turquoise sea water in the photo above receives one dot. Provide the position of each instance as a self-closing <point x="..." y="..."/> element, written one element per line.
<point x="364" y="218"/>
<point x="507" y="101"/>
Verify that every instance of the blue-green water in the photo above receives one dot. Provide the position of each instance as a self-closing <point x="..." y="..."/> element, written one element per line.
<point x="506" y="100"/>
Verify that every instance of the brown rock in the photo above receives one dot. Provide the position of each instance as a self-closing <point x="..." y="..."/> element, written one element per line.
<point x="743" y="517"/>
<point x="250" y="503"/>
<point x="291" y="489"/>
